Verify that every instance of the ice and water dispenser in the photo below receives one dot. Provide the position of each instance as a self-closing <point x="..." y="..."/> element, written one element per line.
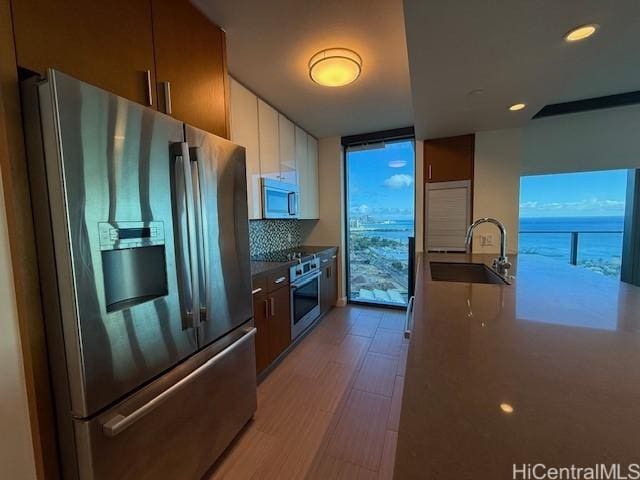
<point x="133" y="263"/>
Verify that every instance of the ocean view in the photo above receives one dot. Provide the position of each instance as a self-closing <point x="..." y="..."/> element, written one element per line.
<point x="600" y="252"/>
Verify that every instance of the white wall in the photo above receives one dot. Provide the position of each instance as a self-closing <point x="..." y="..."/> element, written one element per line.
<point x="16" y="449"/>
<point x="597" y="140"/>
<point x="329" y="230"/>
<point x="496" y="189"/>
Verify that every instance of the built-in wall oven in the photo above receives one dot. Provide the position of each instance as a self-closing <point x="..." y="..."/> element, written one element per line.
<point x="305" y="295"/>
<point x="279" y="199"/>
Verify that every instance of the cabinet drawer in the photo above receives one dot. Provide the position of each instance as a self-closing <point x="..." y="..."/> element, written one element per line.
<point x="259" y="284"/>
<point x="327" y="257"/>
<point x="277" y="279"/>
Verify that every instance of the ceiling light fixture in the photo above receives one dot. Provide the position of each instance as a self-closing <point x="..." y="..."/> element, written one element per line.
<point x="517" y="106"/>
<point x="335" y="67"/>
<point x="581" y="32"/>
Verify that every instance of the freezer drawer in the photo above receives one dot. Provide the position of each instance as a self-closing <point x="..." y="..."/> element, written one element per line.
<point x="178" y="426"/>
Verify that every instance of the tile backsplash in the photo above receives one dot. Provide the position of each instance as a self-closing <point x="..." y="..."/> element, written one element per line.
<point x="273" y="235"/>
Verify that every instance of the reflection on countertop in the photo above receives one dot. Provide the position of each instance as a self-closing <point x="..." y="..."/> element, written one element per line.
<point x="546" y="370"/>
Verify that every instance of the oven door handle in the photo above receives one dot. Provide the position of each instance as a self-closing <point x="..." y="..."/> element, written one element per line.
<point x="296" y="285"/>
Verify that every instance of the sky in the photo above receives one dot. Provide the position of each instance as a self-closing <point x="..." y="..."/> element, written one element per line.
<point x="590" y="194"/>
<point x="381" y="181"/>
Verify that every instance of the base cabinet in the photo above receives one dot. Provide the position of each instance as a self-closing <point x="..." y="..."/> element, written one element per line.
<point x="279" y="320"/>
<point x="328" y="284"/>
<point x="260" y="306"/>
<point x="272" y="317"/>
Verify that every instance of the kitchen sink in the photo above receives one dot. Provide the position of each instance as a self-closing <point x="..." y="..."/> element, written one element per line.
<point x="465" y="272"/>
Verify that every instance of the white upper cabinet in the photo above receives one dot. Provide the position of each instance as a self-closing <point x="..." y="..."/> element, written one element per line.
<point x="276" y="148"/>
<point x="307" y="158"/>
<point x="269" y="139"/>
<point x="311" y="193"/>
<point x="288" y="171"/>
<point x="244" y="131"/>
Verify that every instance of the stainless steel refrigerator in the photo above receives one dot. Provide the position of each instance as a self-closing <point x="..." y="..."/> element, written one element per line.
<point x="144" y="260"/>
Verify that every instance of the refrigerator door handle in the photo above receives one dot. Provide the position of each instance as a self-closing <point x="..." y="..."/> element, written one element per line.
<point x="200" y="223"/>
<point x="118" y="423"/>
<point x="189" y="249"/>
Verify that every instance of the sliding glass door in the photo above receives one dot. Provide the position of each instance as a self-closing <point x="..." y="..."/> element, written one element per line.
<point x="380" y="220"/>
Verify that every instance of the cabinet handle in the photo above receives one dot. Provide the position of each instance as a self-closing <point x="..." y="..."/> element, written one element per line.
<point x="149" y="91"/>
<point x="280" y="280"/>
<point x="325" y="260"/>
<point x="266" y="309"/>
<point x="256" y="290"/>
<point x="273" y="307"/>
<point x="329" y="272"/>
<point x="333" y="257"/>
<point x="167" y="97"/>
<point x="429" y="171"/>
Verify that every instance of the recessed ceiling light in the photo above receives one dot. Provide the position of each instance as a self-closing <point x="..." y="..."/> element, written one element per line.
<point x="397" y="163"/>
<point x="506" y="408"/>
<point x="517" y="106"/>
<point x="335" y="67"/>
<point x="581" y="32"/>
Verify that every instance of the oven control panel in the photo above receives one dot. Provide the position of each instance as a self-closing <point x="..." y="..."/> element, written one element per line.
<point x="303" y="268"/>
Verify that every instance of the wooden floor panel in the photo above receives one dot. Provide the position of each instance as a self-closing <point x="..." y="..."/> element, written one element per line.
<point x="393" y="320"/>
<point x="377" y="375"/>
<point x="329" y="409"/>
<point x="388" y="456"/>
<point x="365" y="325"/>
<point x="359" y="436"/>
<point x="396" y="404"/>
<point x="388" y="342"/>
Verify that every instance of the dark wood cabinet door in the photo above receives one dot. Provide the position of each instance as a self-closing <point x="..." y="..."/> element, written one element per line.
<point x="260" y="304"/>
<point x="106" y="44"/>
<point x="279" y="321"/>
<point x="449" y="159"/>
<point x="328" y="287"/>
<point x="190" y="55"/>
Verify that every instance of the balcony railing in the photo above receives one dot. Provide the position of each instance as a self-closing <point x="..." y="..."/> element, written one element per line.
<point x="608" y="248"/>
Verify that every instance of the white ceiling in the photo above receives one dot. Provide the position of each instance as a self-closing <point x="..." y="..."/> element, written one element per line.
<point x="514" y="50"/>
<point x="269" y="44"/>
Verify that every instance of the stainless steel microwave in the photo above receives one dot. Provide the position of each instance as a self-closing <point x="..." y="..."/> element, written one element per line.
<point x="279" y="199"/>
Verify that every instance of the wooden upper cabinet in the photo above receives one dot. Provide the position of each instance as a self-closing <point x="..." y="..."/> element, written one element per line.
<point x="449" y="159"/>
<point x="190" y="55"/>
<point x="106" y="44"/>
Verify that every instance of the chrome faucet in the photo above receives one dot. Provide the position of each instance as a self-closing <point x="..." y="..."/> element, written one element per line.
<point x="500" y="264"/>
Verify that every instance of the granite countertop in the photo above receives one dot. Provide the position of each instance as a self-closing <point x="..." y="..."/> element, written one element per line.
<point x="560" y="346"/>
<point x="259" y="267"/>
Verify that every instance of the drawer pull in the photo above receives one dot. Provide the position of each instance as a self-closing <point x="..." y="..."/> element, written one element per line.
<point x="280" y="280"/>
<point x="256" y="290"/>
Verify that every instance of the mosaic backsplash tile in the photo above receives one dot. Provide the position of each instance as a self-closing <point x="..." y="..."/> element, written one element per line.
<point x="272" y="235"/>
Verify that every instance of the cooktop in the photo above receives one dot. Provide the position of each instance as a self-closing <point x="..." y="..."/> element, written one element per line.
<point x="287" y="255"/>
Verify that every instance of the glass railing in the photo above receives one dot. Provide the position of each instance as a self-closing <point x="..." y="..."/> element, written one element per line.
<point x="597" y="250"/>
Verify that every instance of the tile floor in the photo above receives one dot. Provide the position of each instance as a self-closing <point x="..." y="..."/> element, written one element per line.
<point x="331" y="409"/>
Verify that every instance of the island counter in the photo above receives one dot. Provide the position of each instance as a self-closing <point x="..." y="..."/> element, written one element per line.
<point x="546" y="370"/>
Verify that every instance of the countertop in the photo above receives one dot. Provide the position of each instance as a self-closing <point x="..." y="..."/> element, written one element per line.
<point x="561" y="346"/>
<point x="259" y="267"/>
